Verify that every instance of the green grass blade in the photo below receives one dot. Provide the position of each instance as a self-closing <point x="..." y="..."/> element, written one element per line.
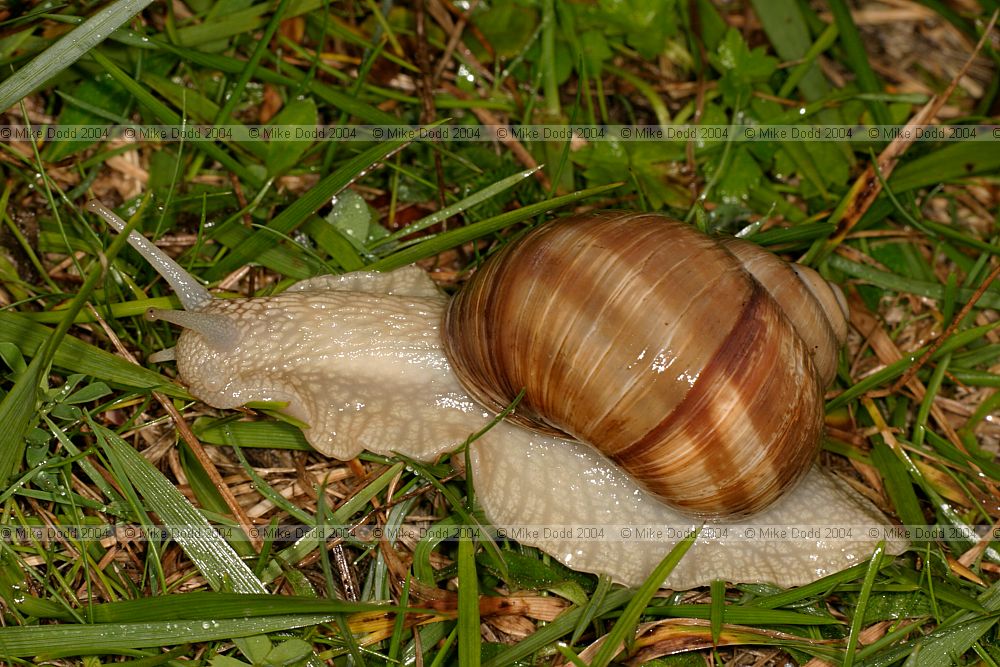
<point x="197" y="107"/>
<point x="718" y="607"/>
<point x="897" y="368"/>
<point x="857" y="58"/>
<point x="291" y="77"/>
<point x="306" y="205"/>
<point x="215" y="558"/>
<point x="951" y="162"/>
<point x="603" y="586"/>
<point x="235" y="94"/>
<point x="17" y="414"/>
<point x="891" y="281"/>
<point x="67" y="640"/>
<point x="897" y="484"/>
<point x="76" y="356"/>
<point x="456" y="208"/>
<point x="817" y="588"/>
<point x="624" y="628"/>
<point x="468" y="604"/>
<point x="952" y="638"/>
<point x="822" y="43"/>
<point x="269" y="434"/>
<point x="859" y="610"/>
<point x="265" y="489"/>
<point x="167" y="116"/>
<point x="246" y="20"/>
<point x="742" y="615"/>
<point x="561" y="626"/>
<point x="17" y="411"/>
<point x="457" y="237"/>
<point x="944" y="592"/>
<point x="294" y="264"/>
<point x="209" y="604"/>
<point x="68" y="50"/>
<point x="789" y="34"/>
<point x="312" y="540"/>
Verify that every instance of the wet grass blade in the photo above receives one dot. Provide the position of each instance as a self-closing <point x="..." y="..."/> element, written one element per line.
<point x="200" y="605"/>
<point x="896" y="283"/>
<point x="859" y="610"/>
<point x="717" y="607"/>
<point x="456" y="208"/>
<point x="468" y="604"/>
<point x="215" y="558"/>
<point x="625" y="626"/>
<point x="457" y="237"/>
<point x="857" y="59"/>
<point x="68" y="640"/>
<point x="789" y="34"/>
<point x="603" y="586"/>
<point x="561" y="626"/>
<point x="68" y="50"/>
<point x="953" y="637"/>
<point x="950" y="162"/>
<point x="306" y="205"/>
<point x="741" y="615"/>
<point x="315" y="538"/>
<point x="167" y="116"/>
<point x="269" y="434"/>
<point x="79" y="357"/>
<point x="239" y="22"/>
<point x="18" y="409"/>
<point x="290" y="77"/>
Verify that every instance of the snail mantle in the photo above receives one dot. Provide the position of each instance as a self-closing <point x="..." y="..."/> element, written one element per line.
<point x="361" y="359"/>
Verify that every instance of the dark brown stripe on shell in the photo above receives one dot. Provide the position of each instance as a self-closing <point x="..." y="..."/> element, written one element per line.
<point x="690" y="457"/>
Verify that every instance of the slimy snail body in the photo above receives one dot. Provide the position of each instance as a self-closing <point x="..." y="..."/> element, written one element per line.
<point x="362" y="360"/>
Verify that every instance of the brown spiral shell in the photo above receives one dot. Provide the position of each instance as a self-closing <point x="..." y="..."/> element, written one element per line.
<point x="655" y="344"/>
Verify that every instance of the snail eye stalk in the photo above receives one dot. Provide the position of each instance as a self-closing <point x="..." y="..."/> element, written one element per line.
<point x="191" y="293"/>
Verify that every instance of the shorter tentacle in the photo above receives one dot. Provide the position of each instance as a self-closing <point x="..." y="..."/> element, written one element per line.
<point x="218" y="330"/>
<point x="168" y="354"/>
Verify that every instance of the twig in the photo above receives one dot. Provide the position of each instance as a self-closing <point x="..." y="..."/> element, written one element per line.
<point x="456" y="35"/>
<point x="939" y="341"/>
<point x="868" y="186"/>
<point x="520" y="152"/>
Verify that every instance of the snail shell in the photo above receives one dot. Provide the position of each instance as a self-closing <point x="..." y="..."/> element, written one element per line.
<point x="697" y="366"/>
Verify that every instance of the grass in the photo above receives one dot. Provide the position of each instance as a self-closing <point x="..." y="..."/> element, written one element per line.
<point x="86" y="437"/>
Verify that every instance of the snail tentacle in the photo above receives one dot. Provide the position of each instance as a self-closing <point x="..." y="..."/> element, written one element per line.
<point x="218" y="330"/>
<point x="167" y="354"/>
<point x="192" y="295"/>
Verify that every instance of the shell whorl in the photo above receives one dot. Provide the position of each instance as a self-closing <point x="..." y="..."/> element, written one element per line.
<point x="650" y="341"/>
<point x="816" y="308"/>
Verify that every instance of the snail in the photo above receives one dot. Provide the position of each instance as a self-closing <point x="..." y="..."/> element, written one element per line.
<point x="361" y="358"/>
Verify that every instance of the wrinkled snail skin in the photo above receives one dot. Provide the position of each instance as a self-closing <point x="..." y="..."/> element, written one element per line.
<point x="360" y="358"/>
<point x="641" y="336"/>
<point x="356" y="357"/>
<point x="528" y="480"/>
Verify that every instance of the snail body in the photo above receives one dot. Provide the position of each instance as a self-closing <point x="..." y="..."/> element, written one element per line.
<point x="362" y="360"/>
